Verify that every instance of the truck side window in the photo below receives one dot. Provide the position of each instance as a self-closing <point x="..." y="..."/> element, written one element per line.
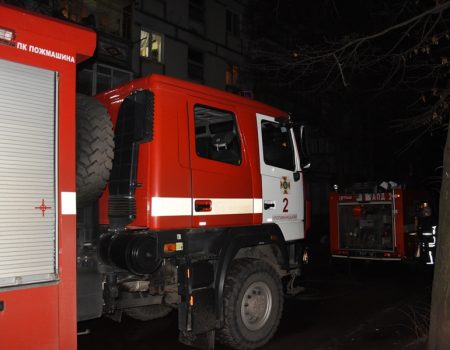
<point x="277" y="145"/>
<point x="216" y="135"/>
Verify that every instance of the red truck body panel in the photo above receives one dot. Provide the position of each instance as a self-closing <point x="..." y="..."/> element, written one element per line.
<point x="43" y="316"/>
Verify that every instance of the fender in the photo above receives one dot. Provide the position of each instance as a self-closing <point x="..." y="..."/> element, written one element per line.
<point x="243" y="237"/>
<point x="221" y="246"/>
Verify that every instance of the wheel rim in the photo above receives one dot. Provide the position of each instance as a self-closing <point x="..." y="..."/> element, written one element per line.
<point x="256" y="305"/>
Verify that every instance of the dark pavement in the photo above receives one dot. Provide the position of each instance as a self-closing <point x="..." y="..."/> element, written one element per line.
<point x="377" y="306"/>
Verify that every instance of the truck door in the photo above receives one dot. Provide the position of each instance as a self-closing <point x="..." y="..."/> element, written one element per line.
<point x="282" y="182"/>
<point x="222" y="192"/>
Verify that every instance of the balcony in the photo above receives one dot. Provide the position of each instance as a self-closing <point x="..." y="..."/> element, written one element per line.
<point x="107" y="17"/>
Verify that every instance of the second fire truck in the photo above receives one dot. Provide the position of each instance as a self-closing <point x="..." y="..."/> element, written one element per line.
<point x="387" y="222"/>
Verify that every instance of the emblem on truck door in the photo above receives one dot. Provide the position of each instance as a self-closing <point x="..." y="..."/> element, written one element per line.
<point x="43" y="207"/>
<point x="285" y="185"/>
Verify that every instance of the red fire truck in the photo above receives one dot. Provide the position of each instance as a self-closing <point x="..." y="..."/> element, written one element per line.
<point x="201" y="205"/>
<point x="373" y="223"/>
<point x="38" y="58"/>
<point x="203" y="211"/>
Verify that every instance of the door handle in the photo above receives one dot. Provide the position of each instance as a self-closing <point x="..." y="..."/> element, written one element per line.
<point x="269" y="205"/>
<point x="202" y="205"/>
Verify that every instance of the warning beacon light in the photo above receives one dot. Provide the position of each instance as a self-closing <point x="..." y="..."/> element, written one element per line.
<point x="7" y="36"/>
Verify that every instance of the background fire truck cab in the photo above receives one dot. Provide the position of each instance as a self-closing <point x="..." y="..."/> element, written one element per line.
<point x="385" y="222"/>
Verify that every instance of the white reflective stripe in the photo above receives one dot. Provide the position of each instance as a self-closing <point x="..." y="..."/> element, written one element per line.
<point x="68" y="203"/>
<point x="171" y="206"/>
<point x="257" y="205"/>
<point x="227" y="206"/>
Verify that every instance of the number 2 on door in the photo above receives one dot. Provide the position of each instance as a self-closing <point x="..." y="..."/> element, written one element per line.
<point x="285" y="208"/>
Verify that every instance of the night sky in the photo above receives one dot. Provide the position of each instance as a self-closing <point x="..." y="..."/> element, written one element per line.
<point x="370" y="108"/>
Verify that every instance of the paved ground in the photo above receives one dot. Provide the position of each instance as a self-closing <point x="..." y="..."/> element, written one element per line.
<point x="375" y="307"/>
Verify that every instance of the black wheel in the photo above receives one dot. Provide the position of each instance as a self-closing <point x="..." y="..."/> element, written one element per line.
<point x="253" y="304"/>
<point x="147" y="313"/>
<point x="95" y="149"/>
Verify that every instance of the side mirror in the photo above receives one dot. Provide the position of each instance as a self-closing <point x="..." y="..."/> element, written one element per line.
<point x="305" y="164"/>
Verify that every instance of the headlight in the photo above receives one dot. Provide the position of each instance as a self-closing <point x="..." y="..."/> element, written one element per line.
<point x="425" y="210"/>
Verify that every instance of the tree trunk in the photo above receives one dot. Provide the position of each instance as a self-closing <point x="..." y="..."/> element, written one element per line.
<point x="439" y="333"/>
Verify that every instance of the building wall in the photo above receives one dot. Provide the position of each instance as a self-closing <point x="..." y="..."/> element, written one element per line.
<point x="170" y="18"/>
<point x="118" y="24"/>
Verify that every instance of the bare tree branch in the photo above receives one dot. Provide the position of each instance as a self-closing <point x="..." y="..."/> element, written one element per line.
<point x="340" y="70"/>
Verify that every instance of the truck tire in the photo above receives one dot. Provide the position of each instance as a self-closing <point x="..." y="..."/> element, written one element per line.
<point x="95" y="149"/>
<point x="148" y="313"/>
<point x="253" y="304"/>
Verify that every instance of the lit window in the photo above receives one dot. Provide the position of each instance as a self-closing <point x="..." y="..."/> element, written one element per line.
<point x="111" y="17"/>
<point x="232" y="75"/>
<point x="151" y="46"/>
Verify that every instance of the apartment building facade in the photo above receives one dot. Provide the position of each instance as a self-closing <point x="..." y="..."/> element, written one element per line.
<point x="197" y="40"/>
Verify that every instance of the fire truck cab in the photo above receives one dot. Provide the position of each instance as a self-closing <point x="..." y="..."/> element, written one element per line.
<point x="203" y="211"/>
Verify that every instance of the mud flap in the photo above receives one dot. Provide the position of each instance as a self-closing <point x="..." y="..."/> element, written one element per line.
<point x="196" y="314"/>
